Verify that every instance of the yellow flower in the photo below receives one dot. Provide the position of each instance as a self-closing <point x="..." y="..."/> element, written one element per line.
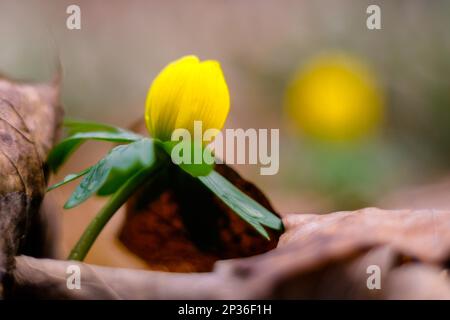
<point x="185" y="91"/>
<point x="335" y="98"/>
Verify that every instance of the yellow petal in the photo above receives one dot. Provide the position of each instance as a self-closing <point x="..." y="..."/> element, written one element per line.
<point x="187" y="90"/>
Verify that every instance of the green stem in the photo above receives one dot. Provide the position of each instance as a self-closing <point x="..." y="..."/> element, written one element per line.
<point x="91" y="233"/>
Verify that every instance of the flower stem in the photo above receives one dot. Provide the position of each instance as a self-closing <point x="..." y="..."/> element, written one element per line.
<point x="91" y="233"/>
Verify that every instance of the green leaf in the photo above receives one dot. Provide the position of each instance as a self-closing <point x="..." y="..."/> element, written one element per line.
<point x="247" y="208"/>
<point x="108" y="175"/>
<point x="194" y="169"/>
<point x="69" y="178"/>
<point x="75" y="126"/>
<point x="82" y="131"/>
<point x="126" y="161"/>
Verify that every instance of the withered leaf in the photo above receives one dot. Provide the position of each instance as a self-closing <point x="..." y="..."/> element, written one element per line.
<point x="317" y="257"/>
<point x="30" y="117"/>
<point x="176" y="224"/>
<point x="421" y="234"/>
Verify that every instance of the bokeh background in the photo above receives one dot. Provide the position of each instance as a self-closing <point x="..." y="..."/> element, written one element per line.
<point x="363" y="114"/>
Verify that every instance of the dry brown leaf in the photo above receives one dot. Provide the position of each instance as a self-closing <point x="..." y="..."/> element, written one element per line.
<point x="182" y="227"/>
<point x="30" y="117"/>
<point x="421" y="234"/>
<point x="322" y="256"/>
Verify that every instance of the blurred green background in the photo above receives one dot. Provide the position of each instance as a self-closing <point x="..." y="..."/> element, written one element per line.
<point x="267" y="49"/>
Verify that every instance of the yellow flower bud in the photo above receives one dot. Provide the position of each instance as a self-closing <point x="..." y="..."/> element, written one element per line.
<point x="335" y="98"/>
<point x="185" y="91"/>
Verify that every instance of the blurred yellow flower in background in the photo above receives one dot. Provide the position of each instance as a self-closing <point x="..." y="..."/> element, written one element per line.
<point x="335" y="97"/>
<point x="185" y="91"/>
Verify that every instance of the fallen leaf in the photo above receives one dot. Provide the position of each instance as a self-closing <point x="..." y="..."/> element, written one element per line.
<point x="317" y="258"/>
<point x="176" y="224"/>
<point x="421" y="234"/>
<point x="30" y="117"/>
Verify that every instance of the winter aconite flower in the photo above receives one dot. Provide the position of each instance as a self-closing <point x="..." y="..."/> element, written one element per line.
<point x="185" y="91"/>
<point x="185" y="94"/>
<point x="335" y="98"/>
